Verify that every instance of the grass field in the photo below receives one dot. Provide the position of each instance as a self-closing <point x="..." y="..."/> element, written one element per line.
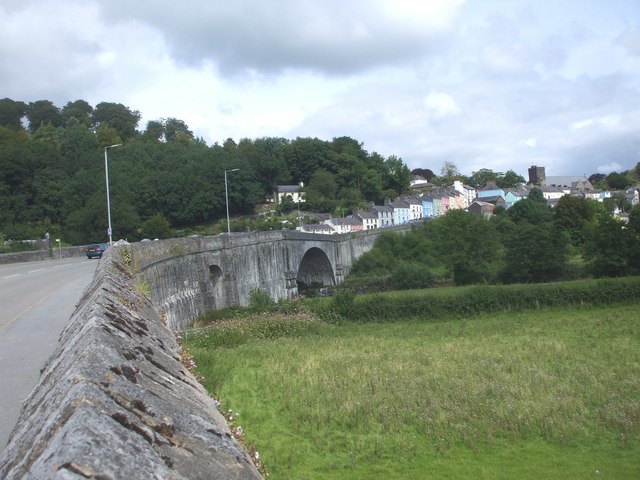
<point x="543" y="394"/>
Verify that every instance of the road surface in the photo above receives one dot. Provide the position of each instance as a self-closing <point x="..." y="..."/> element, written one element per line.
<point x="36" y="301"/>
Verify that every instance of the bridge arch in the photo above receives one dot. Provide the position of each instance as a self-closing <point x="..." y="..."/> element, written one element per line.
<point x="315" y="270"/>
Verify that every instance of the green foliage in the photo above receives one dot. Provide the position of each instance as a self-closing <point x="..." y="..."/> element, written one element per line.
<point x="608" y="247"/>
<point x="436" y="304"/>
<point x="618" y="181"/>
<point x="407" y="276"/>
<point x="343" y="303"/>
<point x="547" y="394"/>
<point x="241" y="329"/>
<point x="535" y="253"/>
<point x="156" y="227"/>
<point x="573" y="215"/>
<point x="259" y="301"/>
<point x="467" y="245"/>
<point x="52" y="176"/>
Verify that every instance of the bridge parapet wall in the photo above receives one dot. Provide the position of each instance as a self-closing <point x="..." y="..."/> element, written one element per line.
<point x="116" y="400"/>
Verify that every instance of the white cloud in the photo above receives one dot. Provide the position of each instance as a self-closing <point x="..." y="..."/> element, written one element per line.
<point x="441" y="105"/>
<point x="610" y="167"/>
<point x="431" y="81"/>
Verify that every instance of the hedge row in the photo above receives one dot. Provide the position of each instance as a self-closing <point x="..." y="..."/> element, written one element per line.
<point x="460" y="302"/>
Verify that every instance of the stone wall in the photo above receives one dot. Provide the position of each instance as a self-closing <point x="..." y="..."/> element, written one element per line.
<point x="116" y="401"/>
<point x="40" y="255"/>
<point x="189" y="276"/>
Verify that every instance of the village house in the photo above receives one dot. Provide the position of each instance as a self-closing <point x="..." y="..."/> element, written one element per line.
<point x="401" y="211"/>
<point x="483" y="208"/>
<point x="293" y="191"/>
<point x="415" y="207"/>
<point x="490" y="190"/>
<point x="468" y="193"/>
<point x="385" y="214"/>
<point x="368" y="218"/>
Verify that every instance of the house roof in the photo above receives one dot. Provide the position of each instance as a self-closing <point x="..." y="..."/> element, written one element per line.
<point x="321" y="217"/>
<point x="366" y="214"/>
<point x="399" y="204"/>
<point x="288" y="188"/>
<point x="577" y="182"/>
<point x="381" y="208"/>
<point x="491" y="185"/>
<point x="493" y="199"/>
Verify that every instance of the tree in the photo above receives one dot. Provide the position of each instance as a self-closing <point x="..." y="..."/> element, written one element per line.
<point x="322" y="190"/>
<point x="118" y="117"/>
<point x="622" y="202"/>
<point x="483" y="176"/>
<point x="606" y="247"/>
<point x="79" y="110"/>
<point x="398" y="175"/>
<point x="597" y="178"/>
<point x="41" y="113"/>
<point x="156" y="227"/>
<point x="618" y="181"/>
<point x="573" y="214"/>
<point x="533" y="209"/>
<point x="349" y="146"/>
<point x="11" y="113"/>
<point x="634" y="239"/>
<point x="509" y="180"/>
<point x="154" y="131"/>
<point x="176" y="130"/>
<point x="267" y="158"/>
<point x="535" y="253"/>
<point x="424" y="173"/>
<point x="448" y="174"/>
<point x="467" y="245"/>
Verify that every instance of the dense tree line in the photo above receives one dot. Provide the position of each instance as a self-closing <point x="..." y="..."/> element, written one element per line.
<point x="530" y="242"/>
<point x="52" y="175"/>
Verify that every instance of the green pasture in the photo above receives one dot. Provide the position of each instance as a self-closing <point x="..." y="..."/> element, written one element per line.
<point x="548" y="393"/>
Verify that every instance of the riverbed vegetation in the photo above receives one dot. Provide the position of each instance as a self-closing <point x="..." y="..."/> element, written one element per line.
<point x="536" y="391"/>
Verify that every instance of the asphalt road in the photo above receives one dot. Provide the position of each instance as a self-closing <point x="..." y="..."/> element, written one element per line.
<point x="36" y="302"/>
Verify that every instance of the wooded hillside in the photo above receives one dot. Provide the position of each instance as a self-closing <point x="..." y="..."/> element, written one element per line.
<point x="52" y="172"/>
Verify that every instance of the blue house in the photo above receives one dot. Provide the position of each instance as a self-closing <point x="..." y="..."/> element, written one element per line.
<point x="491" y="190"/>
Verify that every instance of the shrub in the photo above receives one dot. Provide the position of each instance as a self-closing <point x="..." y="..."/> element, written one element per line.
<point x="259" y="301"/>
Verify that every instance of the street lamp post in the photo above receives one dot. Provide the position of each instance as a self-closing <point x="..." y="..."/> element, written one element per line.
<point x="106" y="176"/>
<point x="226" y="197"/>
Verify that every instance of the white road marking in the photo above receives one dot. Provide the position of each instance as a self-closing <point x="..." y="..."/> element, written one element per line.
<point x="11" y="276"/>
<point x="38" y="270"/>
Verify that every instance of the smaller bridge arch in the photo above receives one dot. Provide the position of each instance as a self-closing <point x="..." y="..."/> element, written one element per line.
<point x="315" y="270"/>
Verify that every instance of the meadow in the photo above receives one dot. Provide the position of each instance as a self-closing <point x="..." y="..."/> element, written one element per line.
<point x="547" y="393"/>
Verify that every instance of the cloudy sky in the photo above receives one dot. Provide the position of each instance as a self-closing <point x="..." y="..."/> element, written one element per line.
<point x="500" y="84"/>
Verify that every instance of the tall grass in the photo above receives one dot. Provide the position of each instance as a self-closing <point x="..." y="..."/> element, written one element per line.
<point x="541" y="394"/>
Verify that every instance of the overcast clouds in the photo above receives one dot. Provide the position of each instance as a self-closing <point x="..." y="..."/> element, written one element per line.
<point x="500" y="84"/>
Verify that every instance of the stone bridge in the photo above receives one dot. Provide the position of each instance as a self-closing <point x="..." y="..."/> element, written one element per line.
<point x="189" y="276"/>
<point x="117" y="398"/>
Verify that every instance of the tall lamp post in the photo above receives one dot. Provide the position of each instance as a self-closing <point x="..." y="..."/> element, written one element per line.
<point x="226" y="197"/>
<point x="106" y="176"/>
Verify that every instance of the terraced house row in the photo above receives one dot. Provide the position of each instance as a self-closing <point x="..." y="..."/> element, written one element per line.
<point x="429" y="201"/>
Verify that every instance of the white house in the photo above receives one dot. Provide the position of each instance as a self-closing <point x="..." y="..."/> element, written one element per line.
<point x="469" y="193"/>
<point x="415" y="207"/>
<point x="401" y="212"/>
<point x="294" y="191"/>
<point x="385" y="214"/>
<point x="368" y="218"/>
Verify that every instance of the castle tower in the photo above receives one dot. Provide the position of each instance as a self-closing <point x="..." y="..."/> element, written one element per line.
<point x="536" y="175"/>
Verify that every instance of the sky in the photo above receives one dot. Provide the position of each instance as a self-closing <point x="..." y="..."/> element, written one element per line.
<point x="498" y="84"/>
